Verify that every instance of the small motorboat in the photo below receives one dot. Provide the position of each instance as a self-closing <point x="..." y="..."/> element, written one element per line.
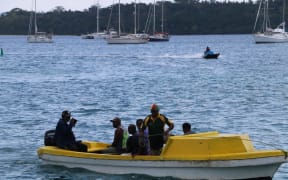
<point x="211" y="56"/>
<point x="159" y="37"/>
<point x="209" y="155"/>
<point x="87" y="36"/>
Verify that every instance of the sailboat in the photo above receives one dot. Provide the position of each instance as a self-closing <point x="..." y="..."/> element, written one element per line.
<point x="159" y="36"/>
<point x="36" y="36"/>
<point x="126" y="39"/>
<point x="266" y="33"/>
<point x="97" y="34"/>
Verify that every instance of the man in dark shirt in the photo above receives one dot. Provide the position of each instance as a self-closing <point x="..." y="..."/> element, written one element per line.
<point x="132" y="141"/>
<point x="117" y="144"/>
<point x="64" y="136"/>
<point x="155" y="123"/>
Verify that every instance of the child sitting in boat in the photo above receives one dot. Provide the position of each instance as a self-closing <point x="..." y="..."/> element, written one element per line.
<point x="144" y="147"/>
<point x="186" y="127"/>
<point x="132" y="145"/>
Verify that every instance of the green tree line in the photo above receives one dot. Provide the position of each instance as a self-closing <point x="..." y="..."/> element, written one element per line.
<point x="180" y="17"/>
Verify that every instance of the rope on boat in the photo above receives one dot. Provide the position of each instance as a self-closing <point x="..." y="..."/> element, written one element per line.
<point x="272" y="145"/>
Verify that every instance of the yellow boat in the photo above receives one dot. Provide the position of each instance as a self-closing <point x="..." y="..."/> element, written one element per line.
<point x="209" y="155"/>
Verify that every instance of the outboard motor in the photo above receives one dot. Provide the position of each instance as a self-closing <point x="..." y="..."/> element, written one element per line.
<point x="49" y="138"/>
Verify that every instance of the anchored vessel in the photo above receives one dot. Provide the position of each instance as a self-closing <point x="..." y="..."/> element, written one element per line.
<point x="36" y="36"/>
<point x="266" y="33"/>
<point x="126" y="39"/>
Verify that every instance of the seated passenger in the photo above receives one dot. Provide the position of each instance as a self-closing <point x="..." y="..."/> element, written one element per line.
<point x="132" y="142"/>
<point x="186" y="127"/>
<point x="64" y="136"/>
<point x="116" y="147"/>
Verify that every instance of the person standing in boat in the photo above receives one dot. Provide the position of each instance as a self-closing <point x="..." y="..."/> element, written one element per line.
<point x="143" y="140"/>
<point x="64" y="136"/>
<point x="155" y="122"/>
<point x="186" y="127"/>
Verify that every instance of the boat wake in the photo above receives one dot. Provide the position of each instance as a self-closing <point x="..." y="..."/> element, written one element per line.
<point x="183" y="56"/>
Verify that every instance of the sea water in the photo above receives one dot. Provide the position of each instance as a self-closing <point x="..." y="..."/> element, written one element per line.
<point x="244" y="91"/>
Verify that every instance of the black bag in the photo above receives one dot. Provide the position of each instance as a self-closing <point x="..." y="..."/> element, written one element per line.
<point x="49" y="138"/>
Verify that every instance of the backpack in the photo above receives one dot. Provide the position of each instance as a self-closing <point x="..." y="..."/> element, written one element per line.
<point x="49" y="138"/>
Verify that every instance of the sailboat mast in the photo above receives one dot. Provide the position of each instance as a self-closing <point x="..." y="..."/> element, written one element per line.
<point x="154" y="14"/>
<point x="97" y="18"/>
<point x="135" y="20"/>
<point x="119" y="19"/>
<point x="266" y="15"/>
<point x="35" y="21"/>
<point x="162" y="17"/>
<point x="258" y="12"/>
<point x="284" y="5"/>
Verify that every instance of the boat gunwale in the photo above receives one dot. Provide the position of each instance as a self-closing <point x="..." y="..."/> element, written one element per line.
<point x="52" y="150"/>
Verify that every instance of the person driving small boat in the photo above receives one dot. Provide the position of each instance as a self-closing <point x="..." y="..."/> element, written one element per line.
<point x="208" y="54"/>
<point x="208" y="51"/>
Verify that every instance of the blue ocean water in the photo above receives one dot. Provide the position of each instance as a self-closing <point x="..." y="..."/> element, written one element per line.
<point x="244" y="91"/>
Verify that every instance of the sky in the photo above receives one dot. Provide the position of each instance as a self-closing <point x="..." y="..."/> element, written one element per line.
<point x="48" y="5"/>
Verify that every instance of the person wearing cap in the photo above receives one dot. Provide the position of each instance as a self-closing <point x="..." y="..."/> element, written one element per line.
<point x="117" y="144"/>
<point x="64" y="136"/>
<point x="155" y="122"/>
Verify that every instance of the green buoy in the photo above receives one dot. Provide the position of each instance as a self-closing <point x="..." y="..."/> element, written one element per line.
<point x="1" y="52"/>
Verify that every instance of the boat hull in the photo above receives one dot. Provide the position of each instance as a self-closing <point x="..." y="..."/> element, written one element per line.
<point x="159" y="37"/>
<point x="207" y="155"/>
<point x="126" y="40"/>
<point x="195" y="169"/>
<point x="155" y="39"/>
<point x="211" y="56"/>
<point x="39" y="39"/>
<point x="87" y="36"/>
<point x="271" y="38"/>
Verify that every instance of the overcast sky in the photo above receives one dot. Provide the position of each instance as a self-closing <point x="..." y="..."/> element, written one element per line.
<point x="48" y="5"/>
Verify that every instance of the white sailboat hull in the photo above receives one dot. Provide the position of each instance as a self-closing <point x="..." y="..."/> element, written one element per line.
<point x="212" y="170"/>
<point x="271" y="38"/>
<point x="39" y="39"/>
<point x="126" y="40"/>
<point x="159" y="37"/>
